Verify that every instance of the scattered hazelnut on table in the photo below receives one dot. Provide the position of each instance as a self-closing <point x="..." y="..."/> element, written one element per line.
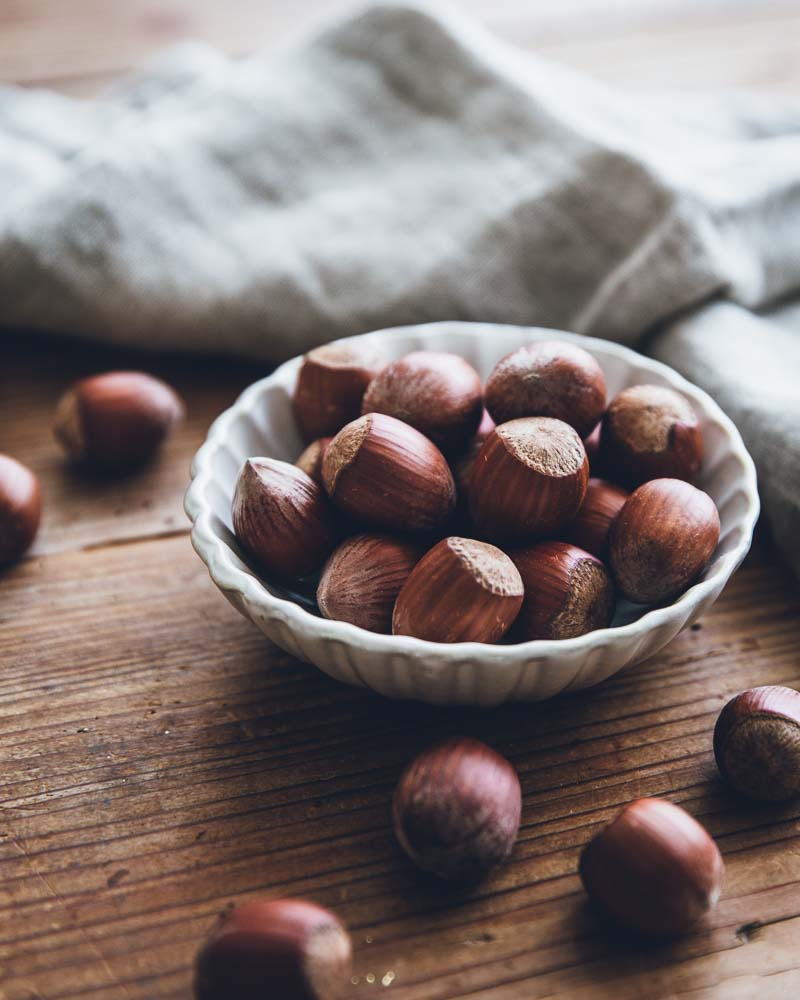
<point x="757" y="743"/>
<point x="462" y="590"/>
<point x="362" y="578"/>
<point x="654" y="868"/>
<point x="568" y="592"/>
<point x="310" y="459"/>
<point x="548" y="378"/>
<point x="662" y="540"/>
<point x="650" y="432"/>
<point x="118" y="420"/>
<point x="286" y="949"/>
<point x="386" y="474"/>
<point x="20" y="509"/>
<point x="437" y="393"/>
<point x="282" y="517"/>
<point x="456" y="809"/>
<point x="592" y="524"/>
<point x="330" y="386"/>
<point x="528" y="480"/>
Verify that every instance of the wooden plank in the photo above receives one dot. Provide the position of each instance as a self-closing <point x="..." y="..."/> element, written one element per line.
<point x="80" y="45"/>
<point x="166" y="760"/>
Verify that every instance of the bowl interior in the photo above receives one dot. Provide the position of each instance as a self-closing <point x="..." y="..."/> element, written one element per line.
<point x="262" y="424"/>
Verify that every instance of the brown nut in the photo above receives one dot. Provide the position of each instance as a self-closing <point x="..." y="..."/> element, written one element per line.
<point x="757" y="743"/>
<point x="439" y="394"/>
<point x="650" y="432"/>
<point x="654" y="868"/>
<point x="548" y="378"/>
<point x="592" y="524"/>
<point x="310" y="460"/>
<point x="330" y="386"/>
<point x="461" y="590"/>
<point x="384" y="473"/>
<point x="282" y="517"/>
<point x="592" y="445"/>
<point x="288" y="949"/>
<point x="662" y="540"/>
<point x="462" y="469"/>
<point x="20" y="509"/>
<point x="117" y="420"/>
<point x="568" y="592"/>
<point x="528" y="480"/>
<point x="362" y="579"/>
<point x="457" y="808"/>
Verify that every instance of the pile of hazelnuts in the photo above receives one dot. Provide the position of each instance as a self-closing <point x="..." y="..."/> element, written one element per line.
<point x="456" y="810"/>
<point x="436" y="507"/>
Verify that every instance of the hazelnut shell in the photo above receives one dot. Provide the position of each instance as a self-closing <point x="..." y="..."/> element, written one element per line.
<point x="437" y="393"/>
<point x="20" y="509"/>
<point x="117" y="420"/>
<point x="650" y="432"/>
<point x="362" y="578"/>
<point x="568" y="592"/>
<point x="528" y="480"/>
<point x="462" y="590"/>
<point x="548" y="378"/>
<point x="757" y="743"/>
<point x="592" y="524"/>
<point x="662" y="539"/>
<point x="310" y="459"/>
<point x="282" y="517"/>
<point x="456" y="809"/>
<point x="285" y="948"/>
<point x="654" y="868"/>
<point x="330" y="386"/>
<point x="386" y="474"/>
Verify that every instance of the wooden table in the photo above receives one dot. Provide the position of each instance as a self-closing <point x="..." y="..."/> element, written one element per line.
<point x="162" y="761"/>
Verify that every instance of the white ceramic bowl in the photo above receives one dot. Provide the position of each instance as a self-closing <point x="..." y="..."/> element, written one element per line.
<point x="261" y="423"/>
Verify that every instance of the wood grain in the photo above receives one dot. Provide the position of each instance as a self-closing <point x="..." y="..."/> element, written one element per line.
<point x="81" y="45"/>
<point x="161" y="761"/>
<point x="165" y="761"/>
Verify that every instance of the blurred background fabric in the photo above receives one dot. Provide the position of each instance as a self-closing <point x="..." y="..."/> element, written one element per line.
<point x="402" y="165"/>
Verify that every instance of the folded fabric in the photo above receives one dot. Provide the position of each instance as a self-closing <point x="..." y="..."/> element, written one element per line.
<point x="401" y="166"/>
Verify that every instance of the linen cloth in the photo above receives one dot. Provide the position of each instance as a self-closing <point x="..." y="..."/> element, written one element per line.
<point x="401" y="165"/>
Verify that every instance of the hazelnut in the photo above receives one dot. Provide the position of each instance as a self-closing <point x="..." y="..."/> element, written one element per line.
<point x="654" y="868"/>
<point x="590" y="529"/>
<point x="549" y="378"/>
<point x="384" y="473"/>
<point x="528" y="480"/>
<point x="757" y="743"/>
<point x="20" y="509"/>
<point x="592" y="445"/>
<point x="281" y="516"/>
<point x="362" y="579"/>
<point x="662" y="540"/>
<point x="310" y="460"/>
<point x="651" y="432"/>
<point x="456" y="809"/>
<point x="288" y="949"/>
<point x="439" y="394"/>
<point x="462" y="469"/>
<point x="567" y="592"/>
<point x="117" y="420"/>
<point x="330" y="387"/>
<point x="461" y="590"/>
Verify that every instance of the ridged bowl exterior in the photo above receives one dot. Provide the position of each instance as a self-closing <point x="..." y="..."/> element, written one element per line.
<point x="261" y="423"/>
